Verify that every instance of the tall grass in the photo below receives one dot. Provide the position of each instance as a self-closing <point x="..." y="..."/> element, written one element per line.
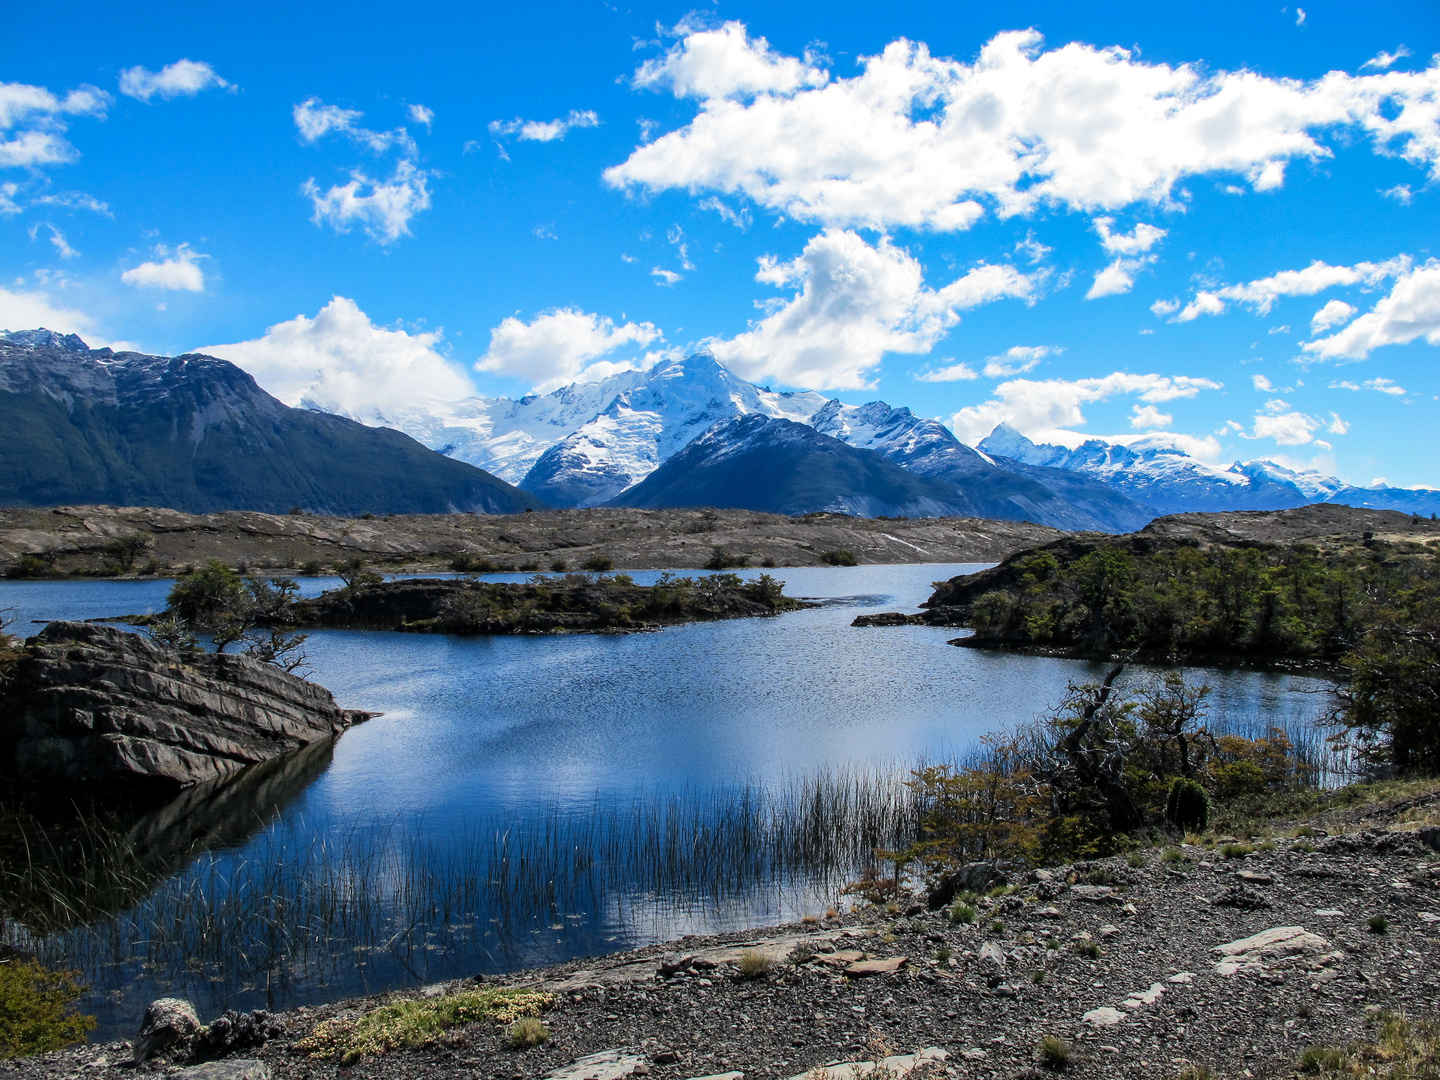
<point x="293" y="911"/>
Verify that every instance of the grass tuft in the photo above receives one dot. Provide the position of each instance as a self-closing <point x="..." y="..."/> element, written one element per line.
<point x="1088" y="949"/>
<point x="1172" y="855"/>
<point x="754" y="965"/>
<point x="1378" y="924"/>
<point x="961" y="912"/>
<point x="526" y="1032"/>
<point x="1053" y="1052"/>
<point x="1237" y="851"/>
<point x="418" y="1024"/>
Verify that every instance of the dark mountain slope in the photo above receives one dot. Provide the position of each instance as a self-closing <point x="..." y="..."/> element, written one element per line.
<point x="758" y="463"/>
<point x="196" y="433"/>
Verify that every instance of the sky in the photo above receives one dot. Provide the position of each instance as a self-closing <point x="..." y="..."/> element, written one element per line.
<point x="1209" y="224"/>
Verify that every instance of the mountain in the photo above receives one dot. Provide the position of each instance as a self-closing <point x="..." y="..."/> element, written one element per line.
<point x="758" y="463"/>
<point x="1166" y="480"/>
<point x="195" y="433"/>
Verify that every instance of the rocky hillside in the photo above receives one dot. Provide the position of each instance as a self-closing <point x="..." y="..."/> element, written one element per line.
<point x="196" y="433"/>
<point x="1229" y="955"/>
<point x="111" y="539"/>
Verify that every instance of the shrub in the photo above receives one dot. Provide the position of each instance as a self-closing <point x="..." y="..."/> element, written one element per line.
<point x="1236" y="851"/>
<point x="1378" y="924"/>
<point x="942" y="954"/>
<point x="843" y="557"/>
<point x="598" y="563"/>
<point x="37" y="1011"/>
<point x="754" y="965"/>
<point x="1187" y="807"/>
<point x="1136" y="860"/>
<point x="1087" y="949"/>
<point x="998" y="926"/>
<point x="526" y="1032"/>
<point x="1172" y="855"/>
<point x="1053" y="1052"/>
<point x="721" y="558"/>
<point x="559" y="566"/>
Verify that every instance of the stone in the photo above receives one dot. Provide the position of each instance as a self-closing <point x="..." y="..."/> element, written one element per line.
<point x="1277" y="943"/>
<point x="974" y="1054"/>
<point x="1254" y="877"/>
<point x="1109" y="930"/>
<point x="1140" y="998"/>
<point x="606" y="1065"/>
<point x="1330" y="913"/>
<point x="92" y="706"/>
<point x="232" y="1069"/>
<point x="1048" y="913"/>
<point x="862" y="969"/>
<point x="1429" y="916"/>
<point x="992" y="952"/>
<point x="972" y="877"/>
<point x="168" y="1022"/>
<point x="1105" y="1016"/>
<point x="672" y="962"/>
<point x="1095" y="894"/>
<point x="841" y="957"/>
<point x="721" y="1076"/>
<point x="892" y="1067"/>
<point x="1182" y="977"/>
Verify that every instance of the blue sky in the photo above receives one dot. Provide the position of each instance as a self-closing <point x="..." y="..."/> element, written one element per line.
<point x="1210" y="223"/>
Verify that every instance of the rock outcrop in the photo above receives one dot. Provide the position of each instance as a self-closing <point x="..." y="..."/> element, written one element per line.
<point x="92" y="706"/>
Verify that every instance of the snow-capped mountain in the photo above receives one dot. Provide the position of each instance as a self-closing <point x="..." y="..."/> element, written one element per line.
<point x="1166" y="480"/>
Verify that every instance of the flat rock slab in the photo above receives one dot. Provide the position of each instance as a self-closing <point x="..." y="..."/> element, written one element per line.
<point x="721" y="1076"/>
<point x="1140" y="998"/>
<point x="235" y="1069"/>
<point x="606" y="1065"/>
<point x="1277" y="943"/>
<point x="1096" y="894"/>
<point x="865" y="968"/>
<point x="773" y="949"/>
<point x="1254" y="877"/>
<point x="841" y="957"/>
<point x="896" y="1066"/>
<point x="1105" y="1016"/>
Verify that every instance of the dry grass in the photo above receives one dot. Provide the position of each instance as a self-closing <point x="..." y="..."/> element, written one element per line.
<point x="419" y="1023"/>
<point x="1399" y="1049"/>
<point x="754" y="965"/>
<point x="1053" y="1052"/>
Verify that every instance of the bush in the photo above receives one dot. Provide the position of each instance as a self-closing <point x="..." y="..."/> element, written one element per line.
<point x="1187" y="807"/>
<point x="559" y="566"/>
<point x="722" y="559"/>
<point x="1378" y="924"/>
<point x="1053" y="1052"/>
<point x="962" y="913"/>
<point x="842" y="557"/>
<point x="37" y="1011"/>
<point x="598" y="563"/>
<point x="1087" y="949"/>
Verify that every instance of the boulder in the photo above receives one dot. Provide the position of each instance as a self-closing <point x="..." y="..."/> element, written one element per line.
<point x="168" y="1022"/>
<point x="972" y="877"/>
<point x="92" y="706"/>
<point x="234" y="1069"/>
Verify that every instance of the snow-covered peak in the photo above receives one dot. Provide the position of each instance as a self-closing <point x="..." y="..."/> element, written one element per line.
<point x="43" y="338"/>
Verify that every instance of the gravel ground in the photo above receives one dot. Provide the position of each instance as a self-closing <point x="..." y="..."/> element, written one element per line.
<point x="1169" y="996"/>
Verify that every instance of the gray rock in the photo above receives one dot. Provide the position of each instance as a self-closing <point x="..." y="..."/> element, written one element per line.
<point x="975" y="877"/>
<point x="234" y="1069"/>
<point x="95" y="706"/>
<point x="168" y="1022"/>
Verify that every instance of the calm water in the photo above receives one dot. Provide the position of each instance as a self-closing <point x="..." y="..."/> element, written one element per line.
<point x="480" y="734"/>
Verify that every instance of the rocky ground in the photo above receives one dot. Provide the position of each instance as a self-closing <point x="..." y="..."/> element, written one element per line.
<point x="1141" y="964"/>
<point x="88" y="539"/>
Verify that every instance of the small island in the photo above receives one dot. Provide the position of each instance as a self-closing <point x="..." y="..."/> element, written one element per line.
<point x="559" y="604"/>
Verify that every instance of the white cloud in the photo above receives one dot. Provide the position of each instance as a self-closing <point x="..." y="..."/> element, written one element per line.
<point x="1260" y="295"/>
<point x="1286" y="426"/>
<point x="949" y="373"/>
<point x="184" y="78"/>
<point x="1332" y="314"/>
<point x="1150" y="416"/>
<point x="1017" y="360"/>
<point x="545" y="130"/>
<point x="73" y="200"/>
<point x="725" y="63"/>
<point x="422" y="115"/>
<point x="314" y="120"/>
<point x="1401" y="193"/>
<point x="1383" y="60"/>
<point x="179" y="271"/>
<point x="342" y="362"/>
<point x="1383" y="386"/>
<point x="38" y="119"/>
<point x="856" y="303"/>
<point x="384" y="213"/>
<point x="30" y="310"/>
<point x="1262" y="383"/>
<point x="1031" y="248"/>
<point x="560" y="347"/>
<point x="57" y="239"/>
<point x="1410" y="311"/>
<point x="1136" y="242"/>
<point x="8" y="206"/>
<point x="1299" y="16"/>
<point x="665" y="277"/>
<point x="1048" y="411"/>
<point x="918" y="140"/>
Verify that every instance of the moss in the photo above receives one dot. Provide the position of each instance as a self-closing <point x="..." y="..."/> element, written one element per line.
<point x="37" y="1009"/>
<point x="420" y="1023"/>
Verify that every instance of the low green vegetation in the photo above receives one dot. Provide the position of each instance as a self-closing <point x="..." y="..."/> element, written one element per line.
<point x="421" y="1023"/>
<point x="1053" y="1052"/>
<point x="37" y="1009"/>
<point x="754" y="965"/>
<point x="842" y="557"/>
<point x="1396" y="1048"/>
<point x="526" y="1032"/>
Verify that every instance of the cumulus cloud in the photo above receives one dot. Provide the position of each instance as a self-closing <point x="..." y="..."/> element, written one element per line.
<point x="725" y="63"/>
<point x="949" y="373"/>
<point x="1290" y="427"/>
<point x="562" y="346"/>
<point x="422" y="115"/>
<point x="179" y="271"/>
<point x="856" y="302"/>
<point x="545" y="130"/>
<point x="184" y="78"/>
<point x="314" y="120"/>
<point x="384" y="212"/>
<point x="1332" y="314"/>
<point x="1383" y="60"/>
<point x="33" y="122"/>
<point x="1017" y="360"/>
<point x="342" y="362"/>
<point x="1129" y="250"/>
<point x="1149" y="416"/>
<point x="1049" y="410"/>
<point x="1260" y="295"/>
<point x="1411" y="310"/>
<point x="918" y="140"/>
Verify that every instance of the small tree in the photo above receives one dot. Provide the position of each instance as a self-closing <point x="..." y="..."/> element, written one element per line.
<point x="1392" y="704"/>
<point x="353" y="574"/>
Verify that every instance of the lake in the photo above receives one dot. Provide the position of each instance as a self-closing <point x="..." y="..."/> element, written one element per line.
<point x="561" y="743"/>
